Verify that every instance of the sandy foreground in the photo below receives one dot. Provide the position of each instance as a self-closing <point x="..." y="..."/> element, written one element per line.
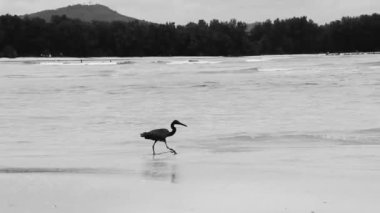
<point x="264" y="177"/>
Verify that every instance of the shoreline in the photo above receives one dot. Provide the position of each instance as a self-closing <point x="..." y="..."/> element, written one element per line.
<point x="39" y="58"/>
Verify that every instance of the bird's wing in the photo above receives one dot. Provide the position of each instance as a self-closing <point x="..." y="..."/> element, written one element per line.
<point x="160" y="132"/>
<point x="157" y="134"/>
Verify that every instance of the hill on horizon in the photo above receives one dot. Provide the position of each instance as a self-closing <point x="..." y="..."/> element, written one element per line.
<point x="87" y="13"/>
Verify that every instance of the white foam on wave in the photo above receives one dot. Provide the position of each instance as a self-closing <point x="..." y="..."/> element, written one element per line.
<point x="266" y="58"/>
<point x="367" y="136"/>
<point x="274" y="69"/>
<point x="192" y="62"/>
<point x="256" y="60"/>
<point x="249" y="70"/>
<point x="77" y="63"/>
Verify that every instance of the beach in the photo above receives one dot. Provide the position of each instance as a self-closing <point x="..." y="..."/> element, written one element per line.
<point x="266" y="134"/>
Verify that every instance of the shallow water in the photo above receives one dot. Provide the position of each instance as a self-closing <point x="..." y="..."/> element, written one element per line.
<point x="250" y="120"/>
<point x="249" y="98"/>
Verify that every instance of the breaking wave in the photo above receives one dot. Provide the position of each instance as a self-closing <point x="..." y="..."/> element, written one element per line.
<point x="193" y="61"/>
<point x="237" y="71"/>
<point x="366" y="136"/>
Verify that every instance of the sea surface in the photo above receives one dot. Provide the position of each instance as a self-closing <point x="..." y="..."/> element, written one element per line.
<point x="63" y="117"/>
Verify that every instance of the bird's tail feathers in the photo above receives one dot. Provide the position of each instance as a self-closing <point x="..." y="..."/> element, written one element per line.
<point x="145" y="135"/>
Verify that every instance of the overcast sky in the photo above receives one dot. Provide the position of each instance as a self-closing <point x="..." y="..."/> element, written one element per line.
<point x="184" y="11"/>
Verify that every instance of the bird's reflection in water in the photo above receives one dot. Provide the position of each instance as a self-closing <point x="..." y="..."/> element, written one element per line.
<point x="161" y="169"/>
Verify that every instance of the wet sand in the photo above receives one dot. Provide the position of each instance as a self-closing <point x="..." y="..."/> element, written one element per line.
<point x="270" y="177"/>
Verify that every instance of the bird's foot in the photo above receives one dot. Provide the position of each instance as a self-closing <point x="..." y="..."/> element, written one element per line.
<point x="173" y="151"/>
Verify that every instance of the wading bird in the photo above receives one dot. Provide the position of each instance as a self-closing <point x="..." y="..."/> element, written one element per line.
<point x="161" y="135"/>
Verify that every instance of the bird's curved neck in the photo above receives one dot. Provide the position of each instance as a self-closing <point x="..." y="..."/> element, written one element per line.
<point x="173" y="130"/>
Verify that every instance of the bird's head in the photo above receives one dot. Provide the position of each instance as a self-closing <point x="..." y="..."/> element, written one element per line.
<point x="177" y="122"/>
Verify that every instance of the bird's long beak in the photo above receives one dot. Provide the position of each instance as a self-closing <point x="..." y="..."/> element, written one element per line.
<point x="182" y="124"/>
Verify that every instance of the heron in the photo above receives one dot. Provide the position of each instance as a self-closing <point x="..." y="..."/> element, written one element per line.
<point x="161" y="135"/>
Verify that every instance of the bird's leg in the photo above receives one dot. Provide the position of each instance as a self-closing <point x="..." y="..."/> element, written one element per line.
<point x="172" y="150"/>
<point x="153" y="147"/>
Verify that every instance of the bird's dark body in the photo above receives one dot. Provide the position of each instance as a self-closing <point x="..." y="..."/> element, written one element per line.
<point x="156" y="135"/>
<point x="161" y="135"/>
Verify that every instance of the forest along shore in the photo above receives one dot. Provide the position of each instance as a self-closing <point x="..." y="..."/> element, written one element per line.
<point x="23" y="37"/>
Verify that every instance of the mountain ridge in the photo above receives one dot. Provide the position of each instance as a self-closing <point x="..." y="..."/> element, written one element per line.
<point x="86" y="13"/>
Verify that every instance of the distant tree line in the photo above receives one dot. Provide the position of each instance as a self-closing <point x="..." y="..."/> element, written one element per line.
<point x="67" y="37"/>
